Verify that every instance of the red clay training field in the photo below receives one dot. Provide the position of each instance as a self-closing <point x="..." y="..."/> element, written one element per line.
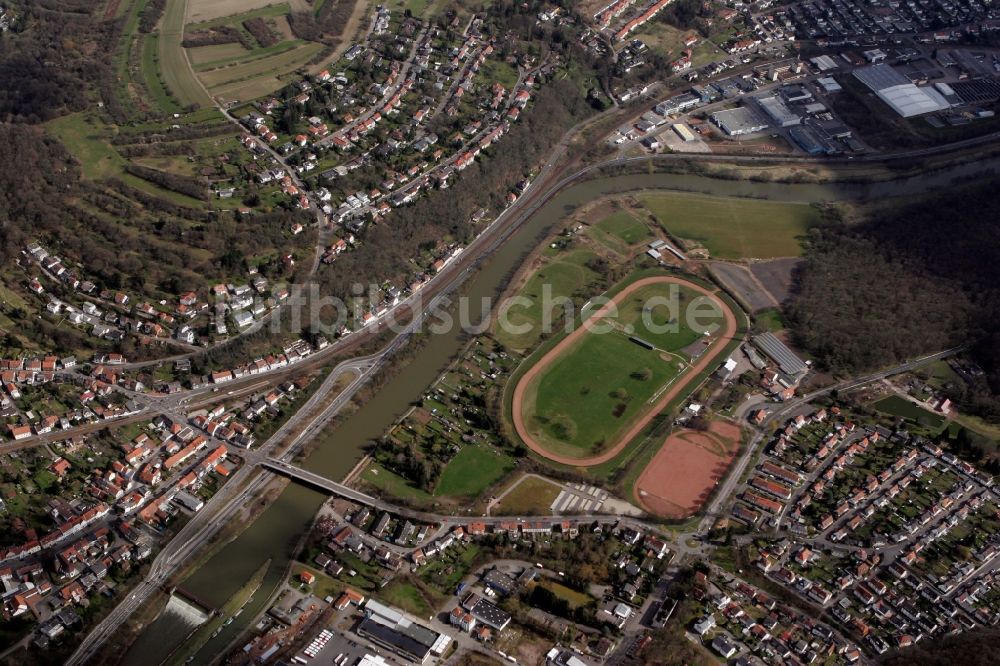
<point x="706" y="360"/>
<point x="680" y="478"/>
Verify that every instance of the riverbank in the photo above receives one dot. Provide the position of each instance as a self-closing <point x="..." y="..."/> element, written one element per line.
<point x="210" y="630"/>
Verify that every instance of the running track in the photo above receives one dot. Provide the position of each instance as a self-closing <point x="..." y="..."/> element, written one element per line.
<point x="706" y="359"/>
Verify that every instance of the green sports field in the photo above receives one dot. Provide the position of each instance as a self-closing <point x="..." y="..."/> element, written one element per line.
<point x="596" y="388"/>
<point x="732" y="228"/>
<point x="593" y="391"/>
<point x="664" y="315"/>
<point x="625" y="227"/>
<point x="473" y="469"/>
<point x="564" y="276"/>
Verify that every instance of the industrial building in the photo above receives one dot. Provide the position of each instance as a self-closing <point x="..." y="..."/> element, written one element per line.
<point x="677" y="104"/>
<point x="777" y="351"/>
<point x="829" y="84"/>
<point x="977" y="91"/>
<point x="778" y="111"/>
<point x="898" y="92"/>
<point x="684" y="132"/>
<point x="739" y="121"/>
<point x="391" y="629"/>
<point x="808" y="141"/>
<point x="824" y="63"/>
<point x="490" y="615"/>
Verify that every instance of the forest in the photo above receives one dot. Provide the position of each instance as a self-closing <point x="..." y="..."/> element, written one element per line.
<point x="48" y="64"/>
<point x="911" y="280"/>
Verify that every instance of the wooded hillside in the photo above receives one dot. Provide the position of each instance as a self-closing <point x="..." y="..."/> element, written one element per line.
<point x="920" y="279"/>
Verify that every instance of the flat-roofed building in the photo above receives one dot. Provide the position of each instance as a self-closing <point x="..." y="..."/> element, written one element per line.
<point x="393" y="630"/>
<point x="824" y="63"/>
<point x="684" y="132"/>
<point x="739" y="121"/>
<point x="778" y="111"/>
<point x="490" y="615"/>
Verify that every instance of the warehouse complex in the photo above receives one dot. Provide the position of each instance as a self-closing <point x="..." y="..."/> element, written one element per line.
<point x="899" y="93"/>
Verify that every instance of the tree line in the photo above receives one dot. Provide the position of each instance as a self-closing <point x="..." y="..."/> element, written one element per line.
<point x="261" y="31"/>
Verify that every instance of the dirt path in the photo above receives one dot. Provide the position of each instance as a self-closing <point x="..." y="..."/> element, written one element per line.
<point x="517" y="408"/>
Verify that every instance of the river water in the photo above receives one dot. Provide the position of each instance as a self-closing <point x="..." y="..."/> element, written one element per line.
<point x="280" y="525"/>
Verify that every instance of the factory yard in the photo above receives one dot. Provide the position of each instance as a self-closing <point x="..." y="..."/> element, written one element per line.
<point x="680" y="478"/>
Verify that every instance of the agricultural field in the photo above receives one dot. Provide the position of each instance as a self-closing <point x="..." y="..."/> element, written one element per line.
<point x="256" y="77"/>
<point x="260" y="53"/>
<point x="416" y="7"/>
<point x="591" y="391"/>
<point x="173" y="64"/>
<point x="732" y="228"/>
<point x="152" y="76"/>
<point x="208" y="10"/>
<point x="212" y="54"/>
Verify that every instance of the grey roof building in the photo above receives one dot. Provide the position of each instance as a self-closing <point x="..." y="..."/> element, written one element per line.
<point x="778" y="111"/>
<point x="898" y="92"/>
<point x="490" y="615"/>
<point x="778" y="352"/>
<point x="739" y="121"/>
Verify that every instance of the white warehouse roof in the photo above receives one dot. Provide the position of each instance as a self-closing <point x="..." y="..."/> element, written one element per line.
<point x="898" y="92"/>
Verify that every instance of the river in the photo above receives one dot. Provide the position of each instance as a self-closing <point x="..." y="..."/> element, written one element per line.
<point x="280" y="525"/>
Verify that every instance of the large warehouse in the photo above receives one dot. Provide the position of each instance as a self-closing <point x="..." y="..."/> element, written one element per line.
<point x="739" y="121"/>
<point x="898" y="92"/>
